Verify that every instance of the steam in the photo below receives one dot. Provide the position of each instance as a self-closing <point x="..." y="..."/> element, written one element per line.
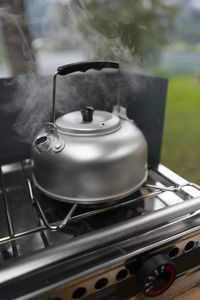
<point x="33" y="96"/>
<point x="15" y="26"/>
<point x="98" y="44"/>
<point x="13" y="18"/>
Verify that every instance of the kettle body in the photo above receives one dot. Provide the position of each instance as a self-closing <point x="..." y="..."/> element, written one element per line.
<point x="90" y="157"/>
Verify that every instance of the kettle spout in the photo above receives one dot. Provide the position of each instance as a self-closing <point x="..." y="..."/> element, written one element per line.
<point x="42" y="143"/>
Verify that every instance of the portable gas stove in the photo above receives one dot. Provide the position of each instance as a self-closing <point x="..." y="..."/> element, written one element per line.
<point x="146" y="245"/>
<point x="107" y="253"/>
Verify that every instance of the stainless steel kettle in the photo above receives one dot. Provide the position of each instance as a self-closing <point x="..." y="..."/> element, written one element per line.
<point x="89" y="156"/>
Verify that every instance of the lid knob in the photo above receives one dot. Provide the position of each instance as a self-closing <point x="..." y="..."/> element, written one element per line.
<point x="87" y="114"/>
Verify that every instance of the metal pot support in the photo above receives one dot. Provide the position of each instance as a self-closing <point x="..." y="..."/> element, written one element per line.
<point x="69" y="216"/>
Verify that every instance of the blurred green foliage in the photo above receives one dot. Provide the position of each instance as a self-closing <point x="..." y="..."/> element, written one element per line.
<point x="181" y="140"/>
<point x="140" y="26"/>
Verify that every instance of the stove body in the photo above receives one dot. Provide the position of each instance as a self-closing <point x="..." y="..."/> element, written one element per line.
<point x="100" y="253"/>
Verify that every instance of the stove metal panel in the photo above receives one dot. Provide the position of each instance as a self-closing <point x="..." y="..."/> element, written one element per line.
<point x="137" y="100"/>
<point x="163" y="218"/>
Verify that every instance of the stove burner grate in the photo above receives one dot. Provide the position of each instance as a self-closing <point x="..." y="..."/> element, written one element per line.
<point x="27" y="227"/>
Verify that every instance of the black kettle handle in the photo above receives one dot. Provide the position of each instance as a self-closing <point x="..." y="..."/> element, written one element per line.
<point x="85" y="66"/>
<point x="82" y="67"/>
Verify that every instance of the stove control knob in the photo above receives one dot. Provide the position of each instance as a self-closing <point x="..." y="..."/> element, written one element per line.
<point x="156" y="275"/>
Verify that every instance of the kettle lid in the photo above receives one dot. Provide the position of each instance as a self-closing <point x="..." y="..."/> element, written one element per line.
<point x="88" y="121"/>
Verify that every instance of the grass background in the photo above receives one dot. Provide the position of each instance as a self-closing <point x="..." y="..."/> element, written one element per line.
<point x="181" y="139"/>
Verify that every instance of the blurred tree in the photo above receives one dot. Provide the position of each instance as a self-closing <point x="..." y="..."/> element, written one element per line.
<point x="139" y="27"/>
<point x="17" y="37"/>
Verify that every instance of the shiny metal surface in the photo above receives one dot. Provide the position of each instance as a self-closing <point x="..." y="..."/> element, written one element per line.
<point x="142" y="243"/>
<point x="85" y="215"/>
<point x="154" y="228"/>
<point x="93" y="169"/>
<point x="21" y="231"/>
<point x="69" y="217"/>
<point x="139" y="226"/>
<point x="93" y="162"/>
<point x="102" y="122"/>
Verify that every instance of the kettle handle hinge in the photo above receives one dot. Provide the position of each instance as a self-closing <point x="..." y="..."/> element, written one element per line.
<point x="120" y="111"/>
<point x="57" y="144"/>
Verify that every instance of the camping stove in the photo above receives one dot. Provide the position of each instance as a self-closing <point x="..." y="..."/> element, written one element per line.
<point x="146" y="245"/>
<point x="143" y="246"/>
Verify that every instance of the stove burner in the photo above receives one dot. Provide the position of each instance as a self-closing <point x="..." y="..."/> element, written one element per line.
<point x="92" y="218"/>
<point x="39" y="214"/>
<point x="129" y="207"/>
<point x="103" y="239"/>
